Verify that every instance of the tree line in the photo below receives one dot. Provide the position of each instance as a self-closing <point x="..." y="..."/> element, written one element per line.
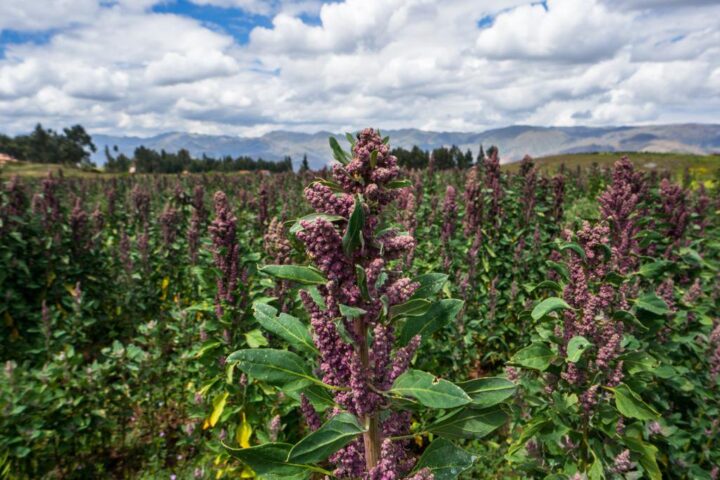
<point x="146" y="160"/>
<point x="72" y="146"/>
<point x="443" y="158"/>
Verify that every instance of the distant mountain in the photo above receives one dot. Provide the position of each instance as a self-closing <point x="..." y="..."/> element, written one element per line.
<point x="514" y="142"/>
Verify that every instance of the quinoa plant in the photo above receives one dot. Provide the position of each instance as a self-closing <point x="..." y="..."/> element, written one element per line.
<point x="367" y="320"/>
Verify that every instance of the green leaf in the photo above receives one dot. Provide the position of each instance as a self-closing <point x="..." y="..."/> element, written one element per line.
<point x="285" y="326"/>
<point x="411" y="308"/>
<point x="430" y="284"/>
<point x="362" y="282"/>
<point x="268" y="461"/>
<point x="438" y="315"/>
<point x="297" y="227"/>
<point x="549" y="305"/>
<point x="353" y="235"/>
<point x="338" y="153"/>
<point x="319" y="397"/>
<point x="547" y="284"/>
<point x="560" y="268"/>
<point x="529" y="431"/>
<point x="469" y="423"/>
<point x="255" y="339"/>
<point x="536" y="356"/>
<point x="636" y="362"/>
<point x="350" y="138"/>
<point x="351" y="312"/>
<point x="373" y="158"/>
<point x="654" y="269"/>
<point x="596" y="472"/>
<point x="276" y="367"/>
<point x="399" y="183"/>
<point x="486" y="392"/>
<point x="650" y="302"/>
<point x="430" y="390"/>
<point x="631" y="405"/>
<point x="296" y="273"/>
<point x="326" y="440"/>
<point x="445" y="460"/>
<point x="629" y="318"/>
<point x="648" y="456"/>
<point x="574" y="247"/>
<point x="576" y="347"/>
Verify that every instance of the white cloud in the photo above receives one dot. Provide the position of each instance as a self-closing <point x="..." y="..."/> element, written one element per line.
<point x="45" y="14"/>
<point x="192" y="66"/>
<point x="560" y="30"/>
<point x="120" y="67"/>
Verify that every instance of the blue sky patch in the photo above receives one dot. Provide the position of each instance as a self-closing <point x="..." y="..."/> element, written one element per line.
<point x="234" y="21"/>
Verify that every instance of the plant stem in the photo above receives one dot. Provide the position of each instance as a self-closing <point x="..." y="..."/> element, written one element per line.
<point x="371" y="437"/>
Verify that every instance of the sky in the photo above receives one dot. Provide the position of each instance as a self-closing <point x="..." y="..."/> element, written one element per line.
<point x="248" y="67"/>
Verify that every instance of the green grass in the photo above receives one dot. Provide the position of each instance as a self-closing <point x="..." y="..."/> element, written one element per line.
<point x="38" y="170"/>
<point x="701" y="167"/>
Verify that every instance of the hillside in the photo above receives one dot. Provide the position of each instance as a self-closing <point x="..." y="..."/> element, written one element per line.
<point x="514" y="142"/>
<point x="701" y="167"/>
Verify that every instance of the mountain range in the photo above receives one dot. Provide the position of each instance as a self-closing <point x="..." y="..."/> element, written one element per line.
<point x="514" y="142"/>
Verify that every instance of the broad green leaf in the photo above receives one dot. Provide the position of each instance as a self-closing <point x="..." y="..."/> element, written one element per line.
<point x="351" y="312"/>
<point x="255" y="339"/>
<point x="438" y="315"/>
<point x="445" y="460"/>
<point x="529" y="431"/>
<point x="296" y="273"/>
<point x="338" y="153"/>
<point x="635" y="362"/>
<point x="654" y="269"/>
<point x="276" y="367"/>
<point x="430" y="390"/>
<point x="486" y="392"/>
<point x="596" y="472"/>
<point x="430" y="284"/>
<point x="326" y="440"/>
<point x="629" y="318"/>
<point x="560" y="268"/>
<point x="576" y="347"/>
<point x="549" y="305"/>
<point x="574" y="247"/>
<point x="469" y="423"/>
<point x="411" y="308"/>
<point x="353" y="235"/>
<point x="268" y="461"/>
<point x="631" y="405"/>
<point x="547" y="284"/>
<point x="285" y="326"/>
<point x="652" y="303"/>
<point x="648" y="456"/>
<point x="536" y="356"/>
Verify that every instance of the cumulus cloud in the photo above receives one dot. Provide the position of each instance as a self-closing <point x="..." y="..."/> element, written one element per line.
<point x="120" y="66"/>
<point x="557" y="30"/>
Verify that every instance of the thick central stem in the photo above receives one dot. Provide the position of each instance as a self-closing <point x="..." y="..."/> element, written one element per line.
<point x="371" y="437"/>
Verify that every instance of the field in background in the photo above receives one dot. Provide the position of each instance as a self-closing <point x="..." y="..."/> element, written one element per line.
<point x="701" y="167"/>
<point x="37" y="170"/>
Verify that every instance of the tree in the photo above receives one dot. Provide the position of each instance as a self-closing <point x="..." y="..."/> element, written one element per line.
<point x="304" y="166"/>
